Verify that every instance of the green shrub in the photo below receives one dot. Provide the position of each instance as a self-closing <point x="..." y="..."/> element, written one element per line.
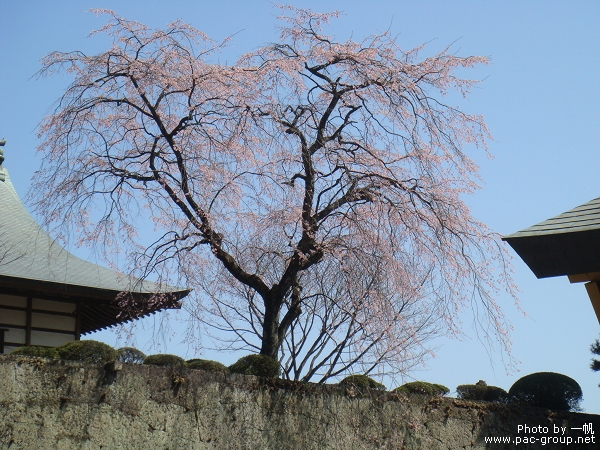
<point x="422" y="387"/>
<point x="482" y="392"/>
<point x="34" y="350"/>
<point x="208" y="365"/>
<point x="131" y="355"/>
<point x="496" y="394"/>
<point x="547" y="390"/>
<point x="361" y="382"/>
<point x="165" y="360"/>
<point x="259" y="365"/>
<point x="88" y="351"/>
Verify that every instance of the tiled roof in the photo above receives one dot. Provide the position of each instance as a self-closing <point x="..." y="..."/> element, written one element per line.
<point x="28" y="252"/>
<point x="567" y="244"/>
<point x="585" y="217"/>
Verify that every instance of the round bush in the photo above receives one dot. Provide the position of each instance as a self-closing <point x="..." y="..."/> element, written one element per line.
<point x="206" y="364"/>
<point x="165" y="360"/>
<point x="547" y="390"/>
<point x="88" y="351"/>
<point x="361" y="382"/>
<point x="34" y="350"/>
<point x="422" y="387"/>
<point x="131" y="355"/>
<point x="259" y="365"/>
<point x="482" y="392"/>
<point x="496" y="394"/>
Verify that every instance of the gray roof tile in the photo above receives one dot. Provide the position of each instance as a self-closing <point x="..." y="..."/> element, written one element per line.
<point x="28" y="252"/>
<point x="585" y="217"/>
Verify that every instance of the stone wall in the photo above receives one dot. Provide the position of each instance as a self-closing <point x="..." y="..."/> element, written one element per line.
<point x="47" y="404"/>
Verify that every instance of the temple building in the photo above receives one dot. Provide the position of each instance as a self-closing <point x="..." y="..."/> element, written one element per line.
<point x="48" y="296"/>
<point x="567" y="244"/>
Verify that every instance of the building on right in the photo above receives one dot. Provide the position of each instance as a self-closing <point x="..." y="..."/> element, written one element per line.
<point x="565" y="245"/>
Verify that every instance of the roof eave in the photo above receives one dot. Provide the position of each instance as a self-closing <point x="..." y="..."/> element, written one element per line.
<point x="70" y="291"/>
<point x="558" y="254"/>
<point x="99" y="309"/>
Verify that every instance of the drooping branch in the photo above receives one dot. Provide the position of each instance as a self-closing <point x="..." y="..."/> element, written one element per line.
<point x="311" y="193"/>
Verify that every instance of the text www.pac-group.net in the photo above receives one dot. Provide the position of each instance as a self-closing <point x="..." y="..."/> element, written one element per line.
<point x="546" y="435"/>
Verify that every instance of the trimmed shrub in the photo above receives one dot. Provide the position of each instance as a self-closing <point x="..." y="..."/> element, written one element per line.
<point x="482" y="392"/>
<point x="131" y="355"/>
<point x="88" y="351"/>
<point x="361" y="382"/>
<point x="206" y="364"/>
<point x="547" y="390"/>
<point x="165" y="360"/>
<point x="34" y="350"/>
<point x="423" y="388"/>
<point x="194" y="360"/>
<point x="259" y="365"/>
<point x="496" y="394"/>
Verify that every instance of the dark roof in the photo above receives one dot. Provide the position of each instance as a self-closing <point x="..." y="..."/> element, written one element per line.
<point x="585" y="217"/>
<point x="567" y="244"/>
<point x="33" y="263"/>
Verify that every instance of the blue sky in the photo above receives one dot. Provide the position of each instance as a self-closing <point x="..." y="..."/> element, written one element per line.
<point x="540" y="97"/>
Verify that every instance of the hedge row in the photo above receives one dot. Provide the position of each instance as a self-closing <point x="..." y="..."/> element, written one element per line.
<point x="97" y="352"/>
<point x="543" y="389"/>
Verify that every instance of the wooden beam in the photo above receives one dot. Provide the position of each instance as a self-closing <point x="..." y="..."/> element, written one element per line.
<point x="28" y="315"/>
<point x="2" y="331"/>
<point x="583" y="277"/>
<point x="78" y="321"/>
<point x="593" y="290"/>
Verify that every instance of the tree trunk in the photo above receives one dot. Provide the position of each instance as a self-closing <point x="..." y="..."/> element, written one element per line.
<point x="270" y="338"/>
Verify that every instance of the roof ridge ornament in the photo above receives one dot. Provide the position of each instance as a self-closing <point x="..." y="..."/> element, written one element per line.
<point x="2" y="174"/>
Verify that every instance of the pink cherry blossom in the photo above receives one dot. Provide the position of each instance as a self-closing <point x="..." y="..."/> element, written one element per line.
<point x="311" y="193"/>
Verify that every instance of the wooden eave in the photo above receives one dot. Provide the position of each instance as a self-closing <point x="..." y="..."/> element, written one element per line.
<point x="98" y="309"/>
<point x="552" y="255"/>
<point x="567" y="244"/>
